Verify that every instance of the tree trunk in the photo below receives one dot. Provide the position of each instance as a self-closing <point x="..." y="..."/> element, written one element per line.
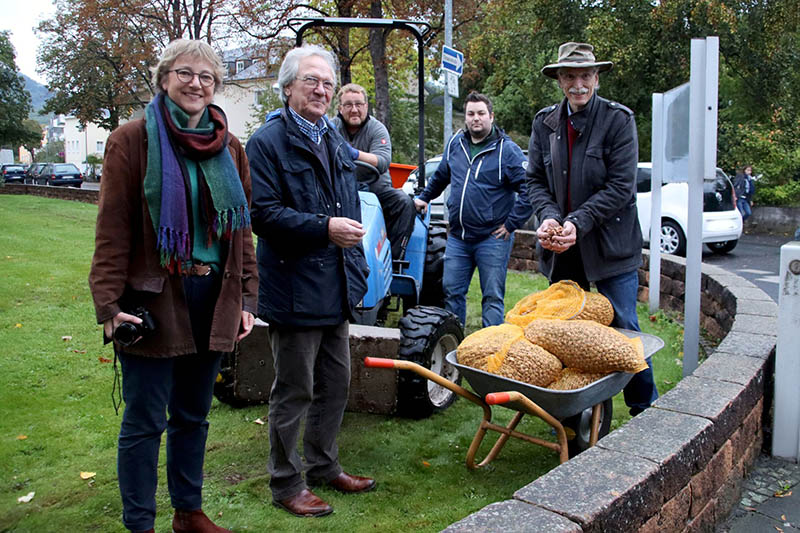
<point x="377" y="50"/>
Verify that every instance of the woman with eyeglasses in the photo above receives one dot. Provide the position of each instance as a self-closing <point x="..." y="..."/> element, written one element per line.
<point x="173" y="277"/>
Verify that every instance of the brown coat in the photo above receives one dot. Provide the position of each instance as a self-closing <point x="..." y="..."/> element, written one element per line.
<point x="126" y="270"/>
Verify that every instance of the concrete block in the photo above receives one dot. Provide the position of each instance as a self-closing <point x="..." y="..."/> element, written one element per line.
<point x="719" y="401"/>
<point x="705" y="521"/>
<point x="758" y="307"/>
<point x="749" y="344"/>
<point x="748" y="293"/>
<point x="513" y="516"/>
<point x="599" y="489"/>
<point x="747" y="323"/>
<point x="747" y="371"/>
<point x="673" y="516"/>
<point x="680" y="444"/>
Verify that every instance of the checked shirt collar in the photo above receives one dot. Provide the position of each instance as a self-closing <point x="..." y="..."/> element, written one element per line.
<point x="309" y="129"/>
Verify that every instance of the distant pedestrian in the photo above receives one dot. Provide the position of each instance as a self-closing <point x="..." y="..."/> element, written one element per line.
<point x="744" y="186"/>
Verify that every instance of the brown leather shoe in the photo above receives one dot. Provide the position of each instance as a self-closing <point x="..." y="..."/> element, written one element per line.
<point x="344" y="482"/>
<point x="194" y="522"/>
<point x="305" y="504"/>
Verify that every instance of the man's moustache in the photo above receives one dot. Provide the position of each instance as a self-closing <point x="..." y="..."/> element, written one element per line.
<point x="579" y="91"/>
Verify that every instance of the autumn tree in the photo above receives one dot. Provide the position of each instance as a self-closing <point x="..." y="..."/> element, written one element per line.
<point x="15" y="101"/>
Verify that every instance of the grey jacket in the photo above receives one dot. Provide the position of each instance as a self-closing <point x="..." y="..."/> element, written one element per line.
<point x="602" y="184"/>
<point x="372" y="137"/>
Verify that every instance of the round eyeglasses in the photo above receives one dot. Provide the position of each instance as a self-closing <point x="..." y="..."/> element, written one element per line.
<point x="312" y="82"/>
<point x="186" y="76"/>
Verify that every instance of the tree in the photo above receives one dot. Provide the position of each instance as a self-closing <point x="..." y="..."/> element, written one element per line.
<point x="15" y="101"/>
<point x="34" y="141"/>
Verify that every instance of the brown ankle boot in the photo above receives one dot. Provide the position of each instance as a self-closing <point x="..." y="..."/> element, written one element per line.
<point x="194" y="522"/>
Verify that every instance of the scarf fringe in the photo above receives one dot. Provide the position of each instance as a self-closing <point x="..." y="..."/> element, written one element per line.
<point x="174" y="247"/>
<point x="228" y="221"/>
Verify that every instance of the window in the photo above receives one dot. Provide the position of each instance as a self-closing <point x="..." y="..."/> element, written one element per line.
<point x="100" y="147"/>
<point x="239" y="66"/>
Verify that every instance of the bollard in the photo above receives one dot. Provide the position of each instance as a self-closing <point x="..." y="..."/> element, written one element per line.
<point x="786" y="425"/>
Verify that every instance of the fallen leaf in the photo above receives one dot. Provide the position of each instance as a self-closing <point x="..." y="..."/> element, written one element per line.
<point x="25" y="499"/>
<point x="258" y="421"/>
<point x="615" y="493"/>
<point x="88" y="475"/>
<point x="783" y="517"/>
<point x="779" y="529"/>
<point x="783" y="494"/>
<point x="22" y="437"/>
<point x="749" y="508"/>
<point x="667" y="382"/>
<point x="78" y="351"/>
<point x="653" y="318"/>
<point x="426" y="464"/>
<point x="17" y="325"/>
<point x="66" y="338"/>
<point x="103" y="359"/>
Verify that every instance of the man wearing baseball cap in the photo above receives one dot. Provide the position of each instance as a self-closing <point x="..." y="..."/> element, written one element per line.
<point x="582" y="183"/>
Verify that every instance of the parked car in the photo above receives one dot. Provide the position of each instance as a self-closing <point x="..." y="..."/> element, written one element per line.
<point x="13" y="173"/>
<point x="60" y="174"/>
<point x="32" y="171"/>
<point x="722" y="222"/>
<point x="410" y="186"/>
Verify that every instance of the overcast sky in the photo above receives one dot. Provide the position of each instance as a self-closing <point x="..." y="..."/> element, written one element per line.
<point x="20" y="17"/>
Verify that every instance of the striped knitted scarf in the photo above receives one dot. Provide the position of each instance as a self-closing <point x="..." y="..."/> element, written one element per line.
<point x="166" y="179"/>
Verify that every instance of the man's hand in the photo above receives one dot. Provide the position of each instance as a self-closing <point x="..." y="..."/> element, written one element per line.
<point x="112" y="323"/>
<point x="556" y="238"/>
<point x="420" y="205"/>
<point x="345" y="232"/>
<point x="246" y="326"/>
<point x="501" y="233"/>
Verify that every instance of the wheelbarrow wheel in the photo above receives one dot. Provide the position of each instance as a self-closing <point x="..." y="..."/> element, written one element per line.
<point x="427" y="335"/>
<point x="581" y="424"/>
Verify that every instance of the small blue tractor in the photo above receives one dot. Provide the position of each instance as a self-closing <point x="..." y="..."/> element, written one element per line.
<point x="413" y="284"/>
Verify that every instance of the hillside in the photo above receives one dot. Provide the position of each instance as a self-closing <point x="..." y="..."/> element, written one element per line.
<point x="39" y="94"/>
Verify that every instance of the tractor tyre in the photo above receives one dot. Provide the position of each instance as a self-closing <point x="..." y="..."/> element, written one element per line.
<point x="224" y="385"/>
<point x="432" y="292"/>
<point x="581" y="424"/>
<point x="427" y="335"/>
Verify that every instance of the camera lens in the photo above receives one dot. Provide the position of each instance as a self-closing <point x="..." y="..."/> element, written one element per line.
<point x="126" y="333"/>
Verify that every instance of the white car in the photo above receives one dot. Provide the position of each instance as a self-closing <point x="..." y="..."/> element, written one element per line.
<point x="410" y="186"/>
<point x="722" y="222"/>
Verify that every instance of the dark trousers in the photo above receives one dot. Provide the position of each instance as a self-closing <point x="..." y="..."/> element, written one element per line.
<point x="622" y="291"/>
<point x="399" y="213"/>
<point x="153" y="387"/>
<point x="312" y="379"/>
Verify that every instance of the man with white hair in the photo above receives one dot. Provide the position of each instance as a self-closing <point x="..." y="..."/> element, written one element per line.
<point x="312" y="270"/>
<point x="582" y="161"/>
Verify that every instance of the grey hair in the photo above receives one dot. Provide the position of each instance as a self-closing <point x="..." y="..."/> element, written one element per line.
<point x="291" y="64"/>
<point x="194" y="49"/>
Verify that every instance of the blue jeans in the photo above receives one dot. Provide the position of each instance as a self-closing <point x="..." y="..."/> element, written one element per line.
<point x="460" y="259"/>
<point x="622" y="292"/>
<point x="744" y="208"/>
<point x="182" y="387"/>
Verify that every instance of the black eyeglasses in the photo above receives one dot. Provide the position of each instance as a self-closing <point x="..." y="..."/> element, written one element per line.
<point x="186" y="76"/>
<point x="312" y="82"/>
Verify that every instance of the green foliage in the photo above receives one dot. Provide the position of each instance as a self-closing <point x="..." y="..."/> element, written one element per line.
<point x="55" y="388"/>
<point x="15" y="101"/>
<point x="53" y="152"/>
<point x="405" y="127"/>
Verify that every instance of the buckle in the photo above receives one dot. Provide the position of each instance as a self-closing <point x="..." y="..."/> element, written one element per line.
<point x="199" y="270"/>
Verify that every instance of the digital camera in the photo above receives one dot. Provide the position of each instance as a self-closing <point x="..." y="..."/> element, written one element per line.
<point x="129" y="333"/>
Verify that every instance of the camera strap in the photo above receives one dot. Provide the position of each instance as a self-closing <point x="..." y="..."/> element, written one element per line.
<point x="116" y="387"/>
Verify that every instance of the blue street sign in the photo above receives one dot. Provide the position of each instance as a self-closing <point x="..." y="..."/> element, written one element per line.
<point x="452" y="60"/>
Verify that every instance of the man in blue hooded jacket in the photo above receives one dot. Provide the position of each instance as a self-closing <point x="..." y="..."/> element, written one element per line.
<point x="488" y="202"/>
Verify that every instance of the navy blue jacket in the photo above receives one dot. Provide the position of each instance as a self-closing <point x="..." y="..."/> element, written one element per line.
<point x="482" y="189"/>
<point x="305" y="279"/>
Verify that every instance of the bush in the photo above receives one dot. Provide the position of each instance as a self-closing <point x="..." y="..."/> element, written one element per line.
<point x="786" y="194"/>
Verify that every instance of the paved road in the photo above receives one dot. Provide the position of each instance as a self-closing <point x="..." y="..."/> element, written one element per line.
<point x="91" y="185"/>
<point x="756" y="258"/>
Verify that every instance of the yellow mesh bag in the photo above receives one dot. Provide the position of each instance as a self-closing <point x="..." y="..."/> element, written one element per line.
<point x="587" y="345"/>
<point x="597" y="308"/>
<point x="503" y="350"/>
<point x="572" y="378"/>
<point x="564" y="299"/>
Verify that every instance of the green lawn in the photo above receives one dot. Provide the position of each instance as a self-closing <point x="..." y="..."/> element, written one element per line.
<point x="58" y="421"/>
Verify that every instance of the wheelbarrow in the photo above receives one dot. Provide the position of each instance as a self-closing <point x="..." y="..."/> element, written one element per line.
<point x="579" y="417"/>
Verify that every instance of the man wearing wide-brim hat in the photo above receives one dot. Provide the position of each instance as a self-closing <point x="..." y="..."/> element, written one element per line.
<point x="582" y="184"/>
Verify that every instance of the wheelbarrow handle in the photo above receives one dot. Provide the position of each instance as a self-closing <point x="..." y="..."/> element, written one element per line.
<point x="495" y="398"/>
<point x="378" y="362"/>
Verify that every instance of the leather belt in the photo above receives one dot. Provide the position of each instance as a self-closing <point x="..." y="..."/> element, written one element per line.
<point x="199" y="270"/>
